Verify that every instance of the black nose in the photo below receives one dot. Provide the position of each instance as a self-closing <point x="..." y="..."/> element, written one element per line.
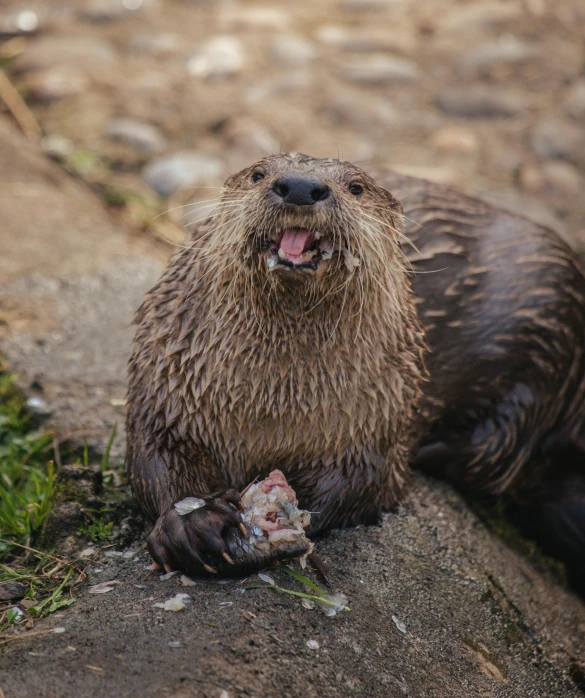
<point x="300" y="189"/>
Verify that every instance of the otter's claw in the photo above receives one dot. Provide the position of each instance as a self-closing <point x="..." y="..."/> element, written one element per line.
<point x="196" y="541"/>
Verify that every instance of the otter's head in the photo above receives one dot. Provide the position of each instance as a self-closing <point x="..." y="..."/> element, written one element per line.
<point x="312" y="221"/>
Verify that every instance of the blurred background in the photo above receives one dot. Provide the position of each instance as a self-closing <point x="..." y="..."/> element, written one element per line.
<point x="154" y="101"/>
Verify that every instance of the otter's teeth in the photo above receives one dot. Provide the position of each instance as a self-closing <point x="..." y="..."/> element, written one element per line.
<point x="281" y="253"/>
<point x="317" y="235"/>
<point x="271" y="261"/>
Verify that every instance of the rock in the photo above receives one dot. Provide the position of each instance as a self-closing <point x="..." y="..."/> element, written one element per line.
<point x="56" y="83"/>
<point x="12" y="591"/>
<point x="456" y="139"/>
<point x="480" y="17"/>
<point x="559" y="139"/>
<point x="252" y="18"/>
<point x="81" y="53"/>
<point x="478" y="101"/>
<point x="291" y="49"/>
<point x="488" y="57"/>
<point x="370" y="40"/>
<point x="220" y="57"/>
<point x="181" y="169"/>
<point x="370" y="5"/>
<point x="62" y="521"/>
<point x="156" y="44"/>
<point x="291" y="83"/>
<point x="37" y="406"/>
<point x="348" y="108"/>
<point x="379" y="69"/>
<point x="574" y="102"/>
<point x="20" y="22"/>
<point x="554" y="178"/>
<point x="99" y="11"/>
<point x="78" y="483"/>
<point x="253" y="137"/>
<point x="138" y="135"/>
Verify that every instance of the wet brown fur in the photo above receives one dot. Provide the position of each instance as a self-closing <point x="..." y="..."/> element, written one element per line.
<point x="237" y="370"/>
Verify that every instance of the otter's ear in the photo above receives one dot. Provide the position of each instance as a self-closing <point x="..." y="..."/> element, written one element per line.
<point x="395" y="205"/>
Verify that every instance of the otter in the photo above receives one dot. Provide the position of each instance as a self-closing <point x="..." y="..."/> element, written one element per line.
<point x="289" y="334"/>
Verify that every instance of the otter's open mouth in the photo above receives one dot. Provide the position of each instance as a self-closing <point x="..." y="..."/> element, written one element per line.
<point x="301" y="248"/>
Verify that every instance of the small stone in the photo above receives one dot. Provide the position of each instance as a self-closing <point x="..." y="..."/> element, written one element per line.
<point x="348" y="108"/>
<point x="379" y="69"/>
<point x="478" y="101"/>
<point x="399" y="624"/>
<point x="99" y="11"/>
<point x="456" y="140"/>
<point x="20" y="22"/>
<point x="37" y="406"/>
<point x="12" y="591"/>
<point x="137" y="134"/>
<point x="293" y="83"/>
<point x="81" y="53"/>
<point x="259" y="17"/>
<point x="56" y="83"/>
<point x="220" y="57"/>
<point x="559" y="139"/>
<point x="488" y="57"/>
<point x="480" y="16"/>
<point x="185" y="168"/>
<point x="370" y="40"/>
<point x="56" y="146"/>
<point x="555" y="178"/>
<point x="574" y="102"/>
<point x="156" y="44"/>
<point x="175" y="644"/>
<point x="312" y="644"/>
<point x="370" y="5"/>
<point x="290" y="49"/>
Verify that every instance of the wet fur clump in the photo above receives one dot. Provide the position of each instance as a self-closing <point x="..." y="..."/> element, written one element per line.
<point x="242" y="365"/>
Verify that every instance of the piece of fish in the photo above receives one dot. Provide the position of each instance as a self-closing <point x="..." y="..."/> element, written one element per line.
<point x="275" y="524"/>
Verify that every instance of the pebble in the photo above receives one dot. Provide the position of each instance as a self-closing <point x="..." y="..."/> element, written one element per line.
<point x="574" y="102"/>
<point x="12" y="591"/>
<point x="476" y="101"/>
<point x="139" y="135"/>
<point x="555" y="178"/>
<point x="254" y="18"/>
<point x="56" y="146"/>
<point x="291" y="49"/>
<point x="156" y="44"/>
<point x="312" y="644"/>
<point x="379" y="69"/>
<point x="370" y="5"/>
<point x="20" y="22"/>
<point x="81" y="53"/>
<point x="347" y="108"/>
<point x="38" y="406"/>
<point x="370" y="40"/>
<point x="488" y="57"/>
<point x="559" y="139"/>
<point x="480" y="16"/>
<point x="292" y="83"/>
<point x="185" y="168"/>
<point x="56" y="83"/>
<point x="222" y="56"/>
<point x="456" y="140"/>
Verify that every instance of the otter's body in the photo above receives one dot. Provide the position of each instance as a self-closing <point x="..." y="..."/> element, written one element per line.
<point x="300" y="349"/>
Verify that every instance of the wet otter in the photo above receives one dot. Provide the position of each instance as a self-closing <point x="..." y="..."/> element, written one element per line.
<point x="286" y="336"/>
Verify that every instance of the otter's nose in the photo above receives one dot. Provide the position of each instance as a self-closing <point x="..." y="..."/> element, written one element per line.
<point x="300" y="189"/>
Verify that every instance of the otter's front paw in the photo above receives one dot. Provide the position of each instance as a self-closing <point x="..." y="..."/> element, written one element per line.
<point x="196" y="541"/>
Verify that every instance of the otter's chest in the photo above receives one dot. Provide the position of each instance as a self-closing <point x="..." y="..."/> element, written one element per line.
<point x="291" y="399"/>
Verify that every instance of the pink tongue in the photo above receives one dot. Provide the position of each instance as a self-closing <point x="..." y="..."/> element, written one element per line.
<point x="295" y="241"/>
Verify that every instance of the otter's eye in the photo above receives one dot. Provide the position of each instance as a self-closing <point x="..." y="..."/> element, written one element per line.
<point x="258" y="176"/>
<point x="356" y="189"/>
